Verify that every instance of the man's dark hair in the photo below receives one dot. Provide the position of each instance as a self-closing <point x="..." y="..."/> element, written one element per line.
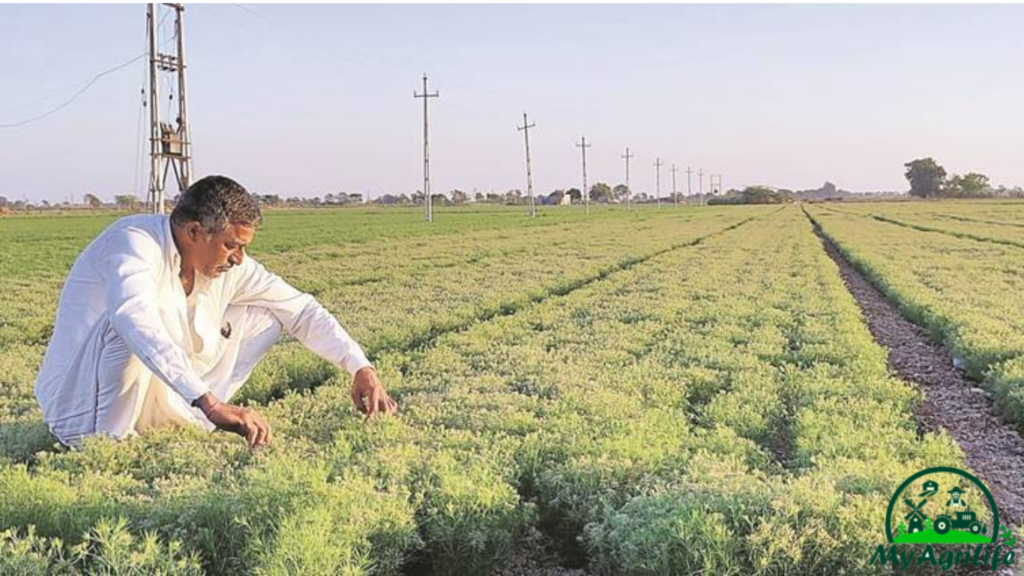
<point x="216" y="202"/>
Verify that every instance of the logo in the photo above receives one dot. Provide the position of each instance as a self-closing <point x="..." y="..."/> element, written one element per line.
<point x="947" y="518"/>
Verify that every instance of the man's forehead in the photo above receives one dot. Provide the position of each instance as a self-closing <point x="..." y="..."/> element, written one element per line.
<point x="241" y="233"/>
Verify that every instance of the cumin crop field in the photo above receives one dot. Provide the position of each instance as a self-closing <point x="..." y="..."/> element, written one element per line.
<point x="659" y="392"/>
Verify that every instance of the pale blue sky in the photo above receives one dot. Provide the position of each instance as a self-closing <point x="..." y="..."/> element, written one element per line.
<point x="312" y="99"/>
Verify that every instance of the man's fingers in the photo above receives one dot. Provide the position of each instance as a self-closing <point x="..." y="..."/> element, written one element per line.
<point x="261" y="438"/>
<point x="374" y="404"/>
<point x="390" y="406"/>
<point x="251" y="432"/>
<point x="357" y="399"/>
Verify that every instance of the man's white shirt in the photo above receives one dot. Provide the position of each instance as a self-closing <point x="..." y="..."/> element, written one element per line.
<point x="127" y="282"/>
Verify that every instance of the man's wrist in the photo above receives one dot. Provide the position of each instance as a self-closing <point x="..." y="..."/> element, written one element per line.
<point x="207" y="402"/>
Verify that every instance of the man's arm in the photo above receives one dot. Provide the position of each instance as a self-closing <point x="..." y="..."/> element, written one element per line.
<point x="316" y="328"/>
<point x="130" y="266"/>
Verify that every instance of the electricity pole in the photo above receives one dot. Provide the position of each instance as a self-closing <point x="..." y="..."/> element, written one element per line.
<point x="657" y="180"/>
<point x="675" y="196"/>
<point x="583" y="147"/>
<point x="689" y="188"/>
<point x="700" y="174"/>
<point x="170" y="146"/>
<point x="629" y="192"/>
<point x="525" y="128"/>
<point x="428" y="205"/>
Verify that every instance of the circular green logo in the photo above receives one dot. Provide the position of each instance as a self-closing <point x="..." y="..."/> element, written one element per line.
<point x="942" y="505"/>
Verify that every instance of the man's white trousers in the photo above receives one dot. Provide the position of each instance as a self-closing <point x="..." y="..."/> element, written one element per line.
<point x="132" y="400"/>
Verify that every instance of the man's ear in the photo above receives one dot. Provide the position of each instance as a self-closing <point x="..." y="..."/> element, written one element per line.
<point x="194" y="230"/>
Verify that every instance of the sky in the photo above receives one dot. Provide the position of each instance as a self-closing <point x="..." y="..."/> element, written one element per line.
<point x="310" y="99"/>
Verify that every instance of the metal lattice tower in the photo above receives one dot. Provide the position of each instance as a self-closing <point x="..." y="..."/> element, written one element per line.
<point x="428" y="203"/>
<point x="170" y="144"/>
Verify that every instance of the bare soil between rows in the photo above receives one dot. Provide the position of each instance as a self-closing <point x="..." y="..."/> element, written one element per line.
<point x="952" y="401"/>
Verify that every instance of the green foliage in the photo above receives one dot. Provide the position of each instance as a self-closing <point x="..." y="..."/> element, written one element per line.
<point x="926" y="177"/>
<point x="108" y="549"/>
<point x="954" y="276"/>
<point x="703" y="397"/>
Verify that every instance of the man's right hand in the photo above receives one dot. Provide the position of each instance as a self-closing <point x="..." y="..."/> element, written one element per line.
<point x="242" y="421"/>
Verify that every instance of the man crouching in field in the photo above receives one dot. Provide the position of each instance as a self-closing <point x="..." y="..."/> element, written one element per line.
<point x="162" y="319"/>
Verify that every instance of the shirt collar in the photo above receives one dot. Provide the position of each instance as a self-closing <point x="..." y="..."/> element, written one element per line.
<point x="175" y="254"/>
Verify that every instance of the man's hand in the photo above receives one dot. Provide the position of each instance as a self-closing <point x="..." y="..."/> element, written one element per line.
<point x="369" y="396"/>
<point x="242" y="421"/>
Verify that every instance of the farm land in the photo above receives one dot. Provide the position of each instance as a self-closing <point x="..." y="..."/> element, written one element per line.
<point x="672" y="391"/>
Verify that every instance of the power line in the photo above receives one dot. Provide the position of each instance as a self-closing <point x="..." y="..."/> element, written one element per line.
<point x="68" y="102"/>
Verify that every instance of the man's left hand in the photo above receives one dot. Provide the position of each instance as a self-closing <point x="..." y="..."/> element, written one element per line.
<point x="369" y="396"/>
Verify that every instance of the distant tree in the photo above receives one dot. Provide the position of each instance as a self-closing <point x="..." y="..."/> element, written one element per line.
<point x="620" y="192"/>
<point x="355" y="197"/>
<point x="92" y="201"/>
<point x="926" y="177"/>
<point x="575" y="195"/>
<point x="495" y="198"/>
<point x="3" y="201"/>
<point x="459" y="197"/>
<point x="514" y="196"/>
<point x="970" y="184"/>
<point x="479" y="197"/>
<point x="601" y="192"/>
<point x="440" y="200"/>
<point x="555" y="197"/>
<point x="126" y="201"/>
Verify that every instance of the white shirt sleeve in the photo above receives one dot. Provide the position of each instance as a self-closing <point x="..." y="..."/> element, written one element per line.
<point x="300" y="314"/>
<point x="130" y="263"/>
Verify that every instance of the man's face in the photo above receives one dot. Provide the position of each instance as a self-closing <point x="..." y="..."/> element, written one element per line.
<point x="216" y="254"/>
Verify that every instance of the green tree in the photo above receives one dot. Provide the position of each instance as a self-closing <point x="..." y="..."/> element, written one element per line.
<point x="92" y="201"/>
<point x="459" y="197"/>
<point x="620" y="192"/>
<point x="927" y="179"/>
<point x="601" y="192"/>
<point x="970" y="184"/>
<point x="575" y="195"/>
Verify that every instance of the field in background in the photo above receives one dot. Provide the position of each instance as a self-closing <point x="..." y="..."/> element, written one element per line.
<point x="665" y="391"/>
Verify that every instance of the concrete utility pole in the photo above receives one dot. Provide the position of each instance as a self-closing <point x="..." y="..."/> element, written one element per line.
<point x="586" y="195"/>
<point x="675" y="196"/>
<point x="657" y="180"/>
<point x="629" y="192"/>
<point x="689" y="188"/>
<point x="700" y="174"/>
<point x="428" y="204"/>
<point x="170" y="145"/>
<point x="525" y="128"/>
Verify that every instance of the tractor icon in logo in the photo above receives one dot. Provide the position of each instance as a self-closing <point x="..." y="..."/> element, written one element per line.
<point x="961" y="514"/>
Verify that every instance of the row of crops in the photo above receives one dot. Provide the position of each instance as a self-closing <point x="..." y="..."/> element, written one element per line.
<point x="954" y="269"/>
<point x="687" y="392"/>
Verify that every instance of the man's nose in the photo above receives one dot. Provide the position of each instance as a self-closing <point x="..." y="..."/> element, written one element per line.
<point x="236" y="258"/>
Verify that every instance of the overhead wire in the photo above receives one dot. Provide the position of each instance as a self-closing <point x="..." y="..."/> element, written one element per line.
<point x="74" y="97"/>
